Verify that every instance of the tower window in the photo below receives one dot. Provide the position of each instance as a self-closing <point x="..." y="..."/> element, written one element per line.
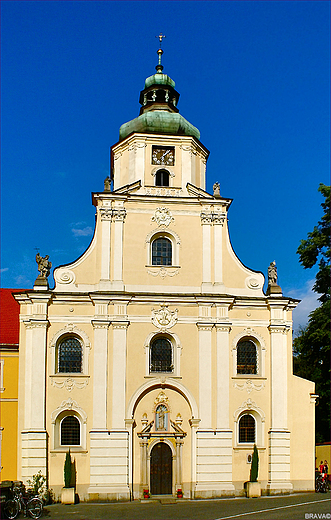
<point x="246" y="358"/>
<point x="162" y="252"/>
<point x="161" y="356"/>
<point x="162" y="178"/>
<point x="70" y="355"/>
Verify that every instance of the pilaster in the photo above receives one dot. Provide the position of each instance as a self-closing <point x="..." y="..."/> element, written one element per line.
<point x="119" y="373"/>
<point x="205" y="374"/>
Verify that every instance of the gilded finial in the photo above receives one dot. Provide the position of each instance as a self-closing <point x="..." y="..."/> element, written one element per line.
<point x="159" y="66"/>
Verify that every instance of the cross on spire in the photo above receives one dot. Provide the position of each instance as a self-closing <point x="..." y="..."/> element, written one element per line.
<point x="159" y="66"/>
<point x="160" y="37"/>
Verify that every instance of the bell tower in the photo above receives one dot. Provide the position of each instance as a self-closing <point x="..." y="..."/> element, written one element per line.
<point x="159" y="152"/>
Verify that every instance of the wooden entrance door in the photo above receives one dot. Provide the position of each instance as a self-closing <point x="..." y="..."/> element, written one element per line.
<point x="161" y="470"/>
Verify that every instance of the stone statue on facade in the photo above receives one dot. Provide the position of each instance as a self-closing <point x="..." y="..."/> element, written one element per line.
<point x="106" y="184"/>
<point x="272" y="273"/>
<point x="216" y="189"/>
<point x="44" y="268"/>
<point x="273" y="287"/>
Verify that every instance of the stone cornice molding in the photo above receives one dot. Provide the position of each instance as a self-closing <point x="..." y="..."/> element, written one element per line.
<point x="223" y="327"/>
<point x="278" y="328"/>
<point x="204" y="326"/>
<point x="120" y="324"/>
<point x="100" y="324"/>
<point x="36" y="324"/>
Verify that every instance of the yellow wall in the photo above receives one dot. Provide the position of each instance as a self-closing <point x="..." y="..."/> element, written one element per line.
<point x="8" y="417"/>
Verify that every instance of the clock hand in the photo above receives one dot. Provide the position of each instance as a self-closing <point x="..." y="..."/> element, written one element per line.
<point x="165" y="153"/>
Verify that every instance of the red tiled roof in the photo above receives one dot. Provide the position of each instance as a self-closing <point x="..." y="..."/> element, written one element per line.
<point x="9" y="317"/>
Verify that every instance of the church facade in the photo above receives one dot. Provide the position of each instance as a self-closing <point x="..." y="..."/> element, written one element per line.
<point x="157" y="358"/>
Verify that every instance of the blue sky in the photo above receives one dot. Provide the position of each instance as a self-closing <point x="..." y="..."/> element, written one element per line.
<point x="252" y="76"/>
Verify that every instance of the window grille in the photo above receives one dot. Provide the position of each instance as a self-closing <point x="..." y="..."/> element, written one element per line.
<point x="162" y="178"/>
<point x="162" y="252"/>
<point x="246" y="358"/>
<point x="161" y="356"/>
<point x="70" y="431"/>
<point x="70" y="355"/>
<point x="247" y="429"/>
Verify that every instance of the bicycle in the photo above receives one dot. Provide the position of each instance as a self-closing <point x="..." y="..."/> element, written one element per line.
<point x="320" y="484"/>
<point x="31" y="506"/>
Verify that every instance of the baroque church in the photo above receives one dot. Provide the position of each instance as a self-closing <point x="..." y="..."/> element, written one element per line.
<point x="157" y="358"/>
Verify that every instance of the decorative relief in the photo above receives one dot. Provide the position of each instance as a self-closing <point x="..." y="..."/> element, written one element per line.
<point x="162" y="217"/>
<point x="249" y="385"/>
<point x="212" y="217"/>
<point x="249" y="405"/>
<point x="163" y="272"/>
<point x="70" y="327"/>
<point x="119" y="215"/>
<point x="253" y="283"/>
<point x="106" y="213"/>
<point x="68" y="404"/>
<point x="163" y="318"/>
<point x="69" y="383"/>
<point x="64" y="276"/>
<point x="171" y="192"/>
<point x="112" y="214"/>
<point x="135" y="146"/>
<point x="161" y="398"/>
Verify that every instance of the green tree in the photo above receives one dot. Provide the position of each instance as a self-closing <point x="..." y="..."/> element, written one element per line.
<point x="312" y="345"/>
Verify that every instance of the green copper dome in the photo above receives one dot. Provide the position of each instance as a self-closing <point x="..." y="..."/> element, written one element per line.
<point x="159" y="79"/>
<point x="159" y="112"/>
<point x="159" y="122"/>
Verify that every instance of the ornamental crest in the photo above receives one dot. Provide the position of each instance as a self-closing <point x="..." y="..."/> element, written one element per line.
<point x="163" y="318"/>
<point x="162" y="217"/>
<point x="161" y="398"/>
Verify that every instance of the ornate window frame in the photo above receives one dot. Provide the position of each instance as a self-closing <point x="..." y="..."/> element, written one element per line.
<point x="70" y="330"/>
<point x="175" y="242"/>
<point x="249" y="407"/>
<point x="250" y="335"/>
<point x="176" y="354"/>
<point x="66" y="408"/>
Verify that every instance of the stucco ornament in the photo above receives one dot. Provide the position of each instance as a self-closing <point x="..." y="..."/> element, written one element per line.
<point x="249" y="385"/>
<point x="162" y="217"/>
<point x="64" y="276"/>
<point x="69" y="383"/>
<point x="161" y="398"/>
<point x="164" y="318"/>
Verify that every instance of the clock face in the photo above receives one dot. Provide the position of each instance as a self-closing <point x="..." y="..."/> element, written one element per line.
<point x="163" y="155"/>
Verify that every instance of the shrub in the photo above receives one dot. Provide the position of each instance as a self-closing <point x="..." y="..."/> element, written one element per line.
<point x="255" y="465"/>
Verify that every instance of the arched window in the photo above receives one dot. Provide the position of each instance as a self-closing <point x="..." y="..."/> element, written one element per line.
<point x="69" y="355"/>
<point x="161" y="252"/>
<point x="162" y="178"/>
<point x="247" y="428"/>
<point x="70" y="431"/>
<point x="161" y="356"/>
<point x="246" y="357"/>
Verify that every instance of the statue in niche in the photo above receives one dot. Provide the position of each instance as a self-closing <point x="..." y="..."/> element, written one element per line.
<point x="161" y="417"/>
<point x="44" y="266"/>
<point x="272" y="273"/>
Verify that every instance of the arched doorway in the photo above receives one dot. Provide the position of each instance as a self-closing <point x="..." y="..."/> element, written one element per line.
<point x="161" y="469"/>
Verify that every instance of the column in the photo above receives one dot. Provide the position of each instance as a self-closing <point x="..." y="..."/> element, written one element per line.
<point x="179" y="444"/>
<point x="279" y="436"/>
<point x="106" y="216"/>
<point x="206" y="222"/>
<point x="100" y="364"/>
<point x="118" y="215"/>
<point x="205" y="374"/>
<point x="34" y="435"/>
<point x="143" y="464"/>
<point x="218" y="220"/>
<point x="119" y="373"/>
